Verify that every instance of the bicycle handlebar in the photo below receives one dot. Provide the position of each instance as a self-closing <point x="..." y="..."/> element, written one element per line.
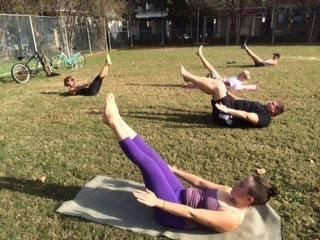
<point x="62" y="46"/>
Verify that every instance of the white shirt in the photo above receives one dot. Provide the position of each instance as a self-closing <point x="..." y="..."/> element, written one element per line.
<point x="235" y="84"/>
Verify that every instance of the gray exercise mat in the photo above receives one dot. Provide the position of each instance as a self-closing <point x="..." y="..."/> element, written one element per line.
<point x="110" y="201"/>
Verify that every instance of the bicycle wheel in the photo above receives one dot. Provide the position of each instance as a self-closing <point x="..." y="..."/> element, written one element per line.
<point x="57" y="62"/>
<point x="80" y="60"/>
<point x="20" y="73"/>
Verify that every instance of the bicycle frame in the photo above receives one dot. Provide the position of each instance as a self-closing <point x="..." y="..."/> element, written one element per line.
<point x="65" y="58"/>
<point x="22" y="71"/>
<point x="72" y="60"/>
<point x="36" y="56"/>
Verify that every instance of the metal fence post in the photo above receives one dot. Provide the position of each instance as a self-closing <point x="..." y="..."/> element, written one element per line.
<point x="88" y="34"/>
<point x="33" y="37"/>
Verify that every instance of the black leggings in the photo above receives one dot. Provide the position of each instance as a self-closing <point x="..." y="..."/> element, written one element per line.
<point x="93" y="89"/>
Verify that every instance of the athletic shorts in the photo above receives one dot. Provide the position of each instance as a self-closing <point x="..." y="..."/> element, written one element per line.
<point x="221" y="117"/>
<point x="93" y="89"/>
<point x="260" y="64"/>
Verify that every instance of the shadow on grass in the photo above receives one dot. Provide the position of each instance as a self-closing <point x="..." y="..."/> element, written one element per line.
<point x="198" y="119"/>
<point x="156" y="85"/>
<point x="180" y="118"/>
<point x="241" y="65"/>
<point x="6" y="79"/>
<point x="62" y="94"/>
<point x="33" y="187"/>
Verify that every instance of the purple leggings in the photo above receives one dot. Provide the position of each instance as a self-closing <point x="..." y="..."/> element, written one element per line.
<point x="157" y="177"/>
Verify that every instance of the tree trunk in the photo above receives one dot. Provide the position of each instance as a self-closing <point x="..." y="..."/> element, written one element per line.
<point x="131" y="32"/>
<point x="238" y="27"/>
<point x="228" y="30"/>
<point x="312" y="28"/>
<point x="191" y="30"/>
<point x="274" y="21"/>
<point x="162" y="31"/>
<point x="100" y="33"/>
<point x="198" y="24"/>
<point x="20" y="53"/>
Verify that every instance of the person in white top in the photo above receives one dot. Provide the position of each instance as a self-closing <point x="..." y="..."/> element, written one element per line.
<point x="234" y="83"/>
<point x="237" y="83"/>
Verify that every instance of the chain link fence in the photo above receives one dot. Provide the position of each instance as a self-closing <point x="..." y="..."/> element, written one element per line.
<point x="21" y="35"/>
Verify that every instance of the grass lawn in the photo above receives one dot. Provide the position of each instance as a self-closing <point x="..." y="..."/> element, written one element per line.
<point x="45" y="133"/>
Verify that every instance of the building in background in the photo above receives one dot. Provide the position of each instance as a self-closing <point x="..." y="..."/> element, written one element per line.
<point x="286" y="21"/>
<point x="175" y="22"/>
<point x="150" y="24"/>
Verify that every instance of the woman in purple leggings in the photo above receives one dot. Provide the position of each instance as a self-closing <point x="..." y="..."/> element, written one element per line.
<point x="206" y="205"/>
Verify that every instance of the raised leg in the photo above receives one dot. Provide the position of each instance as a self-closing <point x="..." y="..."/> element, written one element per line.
<point x="209" y="86"/>
<point x="206" y="64"/>
<point x="95" y="86"/>
<point x="156" y="181"/>
<point x="141" y="154"/>
<point x="255" y="58"/>
<point x="104" y="72"/>
<point x="172" y="179"/>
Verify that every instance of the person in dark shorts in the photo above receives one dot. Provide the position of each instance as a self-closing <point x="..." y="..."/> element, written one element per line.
<point x="91" y="89"/>
<point x="258" y="62"/>
<point x="228" y="110"/>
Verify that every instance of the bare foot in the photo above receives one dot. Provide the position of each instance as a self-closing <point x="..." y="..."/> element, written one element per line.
<point x="111" y="111"/>
<point x="182" y="70"/>
<point x="199" y="52"/>
<point x="108" y="60"/>
<point x="245" y="44"/>
<point x="183" y="73"/>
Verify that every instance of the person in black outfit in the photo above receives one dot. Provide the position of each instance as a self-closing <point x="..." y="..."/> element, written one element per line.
<point x="91" y="89"/>
<point x="229" y="110"/>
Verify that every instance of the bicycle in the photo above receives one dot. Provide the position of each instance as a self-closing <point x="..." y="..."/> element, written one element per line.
<point x="61" y="60"/>
<point x="21" y="72"/>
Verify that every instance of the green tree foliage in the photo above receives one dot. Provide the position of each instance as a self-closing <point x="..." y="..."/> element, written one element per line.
<point x="96" y="8"/>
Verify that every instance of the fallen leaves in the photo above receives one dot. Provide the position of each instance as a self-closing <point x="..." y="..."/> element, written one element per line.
<point x="42" y="179"/>
<point x="261" y="171"/>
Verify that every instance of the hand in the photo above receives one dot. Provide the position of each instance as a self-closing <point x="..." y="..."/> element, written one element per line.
<point x="222" y="107"/>
<point x="147" y="197"/>
<point x="173" y="168"/>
